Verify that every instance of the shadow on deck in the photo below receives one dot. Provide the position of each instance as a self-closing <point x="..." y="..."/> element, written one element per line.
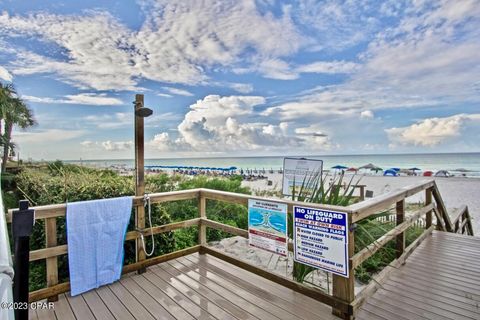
<point x="192" y="287"/>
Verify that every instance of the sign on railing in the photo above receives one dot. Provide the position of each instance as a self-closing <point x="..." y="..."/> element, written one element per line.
<point x="321" y="239"/>
<point x="267" y="226"/>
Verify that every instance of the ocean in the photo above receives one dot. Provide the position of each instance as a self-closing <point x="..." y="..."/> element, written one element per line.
<point x="468" y="163"/>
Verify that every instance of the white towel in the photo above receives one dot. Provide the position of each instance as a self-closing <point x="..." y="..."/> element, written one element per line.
<point x="96" y="234"/>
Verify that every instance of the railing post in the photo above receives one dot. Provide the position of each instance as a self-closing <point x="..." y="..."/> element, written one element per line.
<point x="52" y="263"/>
<point x="400" y="210"/>
<point x="428" y="200"/>
<point x="202" y="210"/>
<point x="139" y="177"/>
<point x="362" y="192"/>
<point x="344" y="288"/>
<point x="22" y="225"/>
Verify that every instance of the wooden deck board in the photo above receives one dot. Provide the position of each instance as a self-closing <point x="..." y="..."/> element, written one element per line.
<point x="253" y="288"/>
<point x="63" y="309"/>
<point x="211" y="295"/>
<point x="440" y="280"/>
<point x="232" y="287"/>
<point x="192" y="287"/>
<point x="130" y="302"/>
<point x="234" y="298"/>
<point x="195" y="297"/>
<point x="152" y="305"/>
<point x="320" y="310"/>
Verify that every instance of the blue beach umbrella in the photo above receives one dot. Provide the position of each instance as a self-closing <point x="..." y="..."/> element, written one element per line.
<point x="390" y="172"/>
<point x="339" y="167"/>
<point x="395" y="169"/>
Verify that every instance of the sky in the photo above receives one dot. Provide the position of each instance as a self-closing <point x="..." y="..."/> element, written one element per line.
<point x="244" y="77"/>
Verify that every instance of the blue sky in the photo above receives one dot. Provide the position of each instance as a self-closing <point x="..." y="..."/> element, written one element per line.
<point x="245" y="77"/>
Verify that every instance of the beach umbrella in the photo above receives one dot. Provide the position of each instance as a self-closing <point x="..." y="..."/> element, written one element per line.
<point x="427" y="173"/>
<point x="390" y="172"/>
<point x="396" y="169"/>
<point x="376" y="169"/>
<point x="368" y="166"/>
<point x="407" y="171"/>
<point x="414" y="169"/>
<point x="339" y="167"/>
<point x="352" y="169"/>
<point x="442" y="173"/>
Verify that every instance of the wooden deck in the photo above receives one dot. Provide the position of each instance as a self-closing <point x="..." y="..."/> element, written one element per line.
<point x="192" y="287"/>
<point x="440" y="280"/>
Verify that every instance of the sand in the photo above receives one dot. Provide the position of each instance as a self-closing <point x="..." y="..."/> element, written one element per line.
<point x="455" y="191"/>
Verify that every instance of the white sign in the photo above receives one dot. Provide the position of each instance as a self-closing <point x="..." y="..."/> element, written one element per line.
<point x="267" y="226"/>
<point x="321" y="239"/>
<point x="297" y="171"/>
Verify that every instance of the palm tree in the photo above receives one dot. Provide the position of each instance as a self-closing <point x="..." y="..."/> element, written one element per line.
<point x="7" y="91"/>
<point x="14" y="112"/>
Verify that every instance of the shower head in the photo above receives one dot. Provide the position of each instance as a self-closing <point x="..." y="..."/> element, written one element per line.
<point x="143" y="112"/>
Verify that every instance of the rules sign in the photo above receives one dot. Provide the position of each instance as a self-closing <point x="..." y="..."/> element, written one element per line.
<point x="321" y="239"/>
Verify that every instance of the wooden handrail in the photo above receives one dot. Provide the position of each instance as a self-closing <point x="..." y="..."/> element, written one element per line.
<point x="224" y="227"/>
<point x="459" y="214"/>
<point x="59" y="210"/>
<point x="462" y="221"/>
<point x="243" y="200"/>
<point x="60" y="250"/>
<point x="371" y="249"/>
<point x="232" y="230"/>
<point x="362" y="210"/>
<point x="442" y="208"/>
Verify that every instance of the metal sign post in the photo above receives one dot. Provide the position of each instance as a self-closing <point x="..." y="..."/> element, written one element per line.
<point x="22" y="225"/>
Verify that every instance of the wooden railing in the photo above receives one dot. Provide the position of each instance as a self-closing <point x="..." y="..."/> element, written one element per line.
<point x="433" y="204"/>
<point x="343" y="300"/>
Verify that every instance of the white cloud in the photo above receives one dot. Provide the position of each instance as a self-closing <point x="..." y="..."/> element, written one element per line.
<point x="232" y="124"/>
<point x="163" y="142"/>
<point x="432" y="131"/>
<point x="111" y="120"/>
<point x="328" y="67"/>
<point x="112" y="146"/>
<point x="431" y="55"/>
<point x="178" y="92"/>
<point x="429" y="59"/>
<point x="50" y="135"/>
<point x="338" y="24"/>
<point x="244" y="88"/>
<point x="177" y="43"/>
<point x="164" y="95"/>
<point x="277" y="69"/>
<point x="367" y="114"/>
<point x="82" y="98"/>
<point x="5" y="75"/>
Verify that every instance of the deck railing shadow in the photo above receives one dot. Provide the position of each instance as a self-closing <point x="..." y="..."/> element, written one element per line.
<point x="343" y="300"/>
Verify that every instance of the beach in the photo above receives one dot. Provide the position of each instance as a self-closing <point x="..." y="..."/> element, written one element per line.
<point x="455" y="191"/>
